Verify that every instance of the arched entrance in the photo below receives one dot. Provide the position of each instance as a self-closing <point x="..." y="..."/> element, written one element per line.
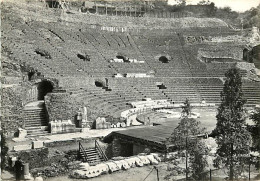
<point x="99" y="84"/>
<point x="30" y="75"/>
<point x="44" y="87"/>
<point x="52" y="3"/>
<point x="83" y="57"/>
<point x="255" y="54"/>
<point x="164" y="59"/>
<point x="124" y="58"/>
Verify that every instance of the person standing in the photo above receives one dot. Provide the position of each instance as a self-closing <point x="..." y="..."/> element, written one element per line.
<point x="18" y="168"/>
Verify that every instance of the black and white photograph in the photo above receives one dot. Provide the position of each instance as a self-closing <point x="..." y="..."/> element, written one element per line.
<point x="130" y="90"/>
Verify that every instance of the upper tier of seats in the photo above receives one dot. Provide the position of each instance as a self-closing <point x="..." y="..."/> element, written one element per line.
<point x="68" y="46"/>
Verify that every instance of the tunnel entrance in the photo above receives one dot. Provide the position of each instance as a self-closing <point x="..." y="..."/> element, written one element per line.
<point x="83" y="57"/>
<point x="99" y="84"/>
<point x="124" y="58"/>
<point x="161" y="86"/>
<point x="30" y="75"/>
<point x="53" y="4"/>
<point x="44" y="88"/>
<point x="164" y="59"/>
<point x="43" y="53"/>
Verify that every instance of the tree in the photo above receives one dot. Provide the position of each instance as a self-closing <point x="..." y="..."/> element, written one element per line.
<point x="184" y="136"/>
<point x="180" y="2"/>
<point x="252" y="17"/>
<point x="256" y="130"/>
<point x="204" y="2"/>
<point x="255" y="133"/>
<point x="232" y="137"/>
<point x="4" y="150"/>
<point x="198" y="159"/>
<point x="186" y="109"/>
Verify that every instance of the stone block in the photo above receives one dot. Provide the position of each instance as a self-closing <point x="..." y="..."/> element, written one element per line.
<point x="108" y="125"/>
<point x="123" y="125"/>
<point x="22" y="147"/>
<point x="37" y="144"/>
<point x="85" y="130"/>
<point x="39" y="178"/>
<point x="118" y="125"/>
<point x="22" y="133"/>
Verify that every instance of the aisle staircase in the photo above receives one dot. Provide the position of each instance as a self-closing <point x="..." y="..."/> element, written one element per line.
<point x="93" y="156"/>
<point x="35" y="119"/>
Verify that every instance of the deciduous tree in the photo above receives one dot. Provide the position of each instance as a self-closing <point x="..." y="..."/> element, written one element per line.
<point x="186" y="109"/>
<point x="184" y="137"/>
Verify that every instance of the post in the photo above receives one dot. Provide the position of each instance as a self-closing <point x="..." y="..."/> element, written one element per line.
<point x="186" y="158"/>
<point x="106" y="8"/>
<point x="135" y="10"/>
<point x="231" y="164"/>
<point x="125" y="10"/>
<point x="157" y="171"/>
<point x="96" y="7"/>
<point x="249" y="169"/>
<point x="210" y="175"/>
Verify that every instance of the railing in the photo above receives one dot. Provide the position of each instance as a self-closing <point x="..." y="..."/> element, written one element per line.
<point x="100" y="150"/>
<point x="81" y="149"/>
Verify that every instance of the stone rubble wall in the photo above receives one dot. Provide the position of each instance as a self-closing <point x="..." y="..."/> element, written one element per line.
<point x="36" y="158"/>
<point x="60" y="106"/>
<point x="11" y="109"/>
<point x="75" y="81"/>
<point x="245" y="65"/>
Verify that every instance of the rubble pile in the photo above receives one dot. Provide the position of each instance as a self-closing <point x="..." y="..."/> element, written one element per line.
<point x="87" y="171"/>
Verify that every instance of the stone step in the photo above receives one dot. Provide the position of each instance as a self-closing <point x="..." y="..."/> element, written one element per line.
<point x="33" y="110"/>
<point x="36" y="120"/>
<point x="35" y="115"/>
<point x="93" y="156"/>
<point x="37" y="134"/>
<point x="36" y="130"/>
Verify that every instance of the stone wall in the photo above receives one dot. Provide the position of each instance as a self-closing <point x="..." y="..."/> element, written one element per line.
<point x="75" y="82"/>
<point x="61" y="106"/>
<point x="31" y="94"/>
<point x="137" y="148"/>
<point x="235" y="52"/>
<point x="245" y="65"/>
<point x="36" y="158"/>
<point x="11" y="109"/>
<point x="116" y="147"/>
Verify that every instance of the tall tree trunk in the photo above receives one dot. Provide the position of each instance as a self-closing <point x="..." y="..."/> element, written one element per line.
<point x="231" y="172"/>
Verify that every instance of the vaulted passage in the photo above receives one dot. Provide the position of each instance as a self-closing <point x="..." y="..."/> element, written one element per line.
<point x="83" y="57"/>
<point x="53" y="4"/>
<point x="125" y="59"/>
<point x="256" y="56"/>
<point x="164" y="59"/>
<point x="43" y="53"/>
<point x="44" y="87"/>
<point x="30" y="75"/>
<point x="99" y="84"/>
